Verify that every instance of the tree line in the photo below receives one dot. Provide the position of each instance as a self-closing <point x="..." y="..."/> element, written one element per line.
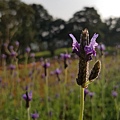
<point x="33" y="26"/>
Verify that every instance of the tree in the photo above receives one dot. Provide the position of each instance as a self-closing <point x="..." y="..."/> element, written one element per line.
<point x="87" y="18"/>
<point x="40" y="23"/>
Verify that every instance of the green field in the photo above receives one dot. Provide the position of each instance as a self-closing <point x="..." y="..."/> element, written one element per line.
<point x="59" y="99"/>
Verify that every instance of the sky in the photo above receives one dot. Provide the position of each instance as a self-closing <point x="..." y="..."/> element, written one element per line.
<point x="65" y="9"/>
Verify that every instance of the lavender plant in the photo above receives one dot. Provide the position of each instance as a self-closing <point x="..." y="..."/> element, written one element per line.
<point x="28" y="97"/>
<point x="85" y="50"/>
<point x="45" y="66"/>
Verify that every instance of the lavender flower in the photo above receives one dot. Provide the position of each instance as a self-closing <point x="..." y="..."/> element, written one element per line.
<point x="45" y="66"/>
<point x="5" y="45"/>
<point x="91" y="94"/>
<point x="86" y="91"/>
<point x="85" y="50"/>
<point x="32" y="55"/>
<point x="27" y="49"/>
<point x="34" y="116"/>
<point x="75" y="45"/>
<point x="3" y="56"/>
<point x="27" y="97"/>
<point x="13" y="54"/>
<point x="11" y="48"/>
<point x="101" y="47"/>
<point x="65" y="57"/>
<point x="12" y="67"/>
<point x="114" y="94"/>
<point x="88" y="49"/>
<point x="57" y="72"/>
<point x="17" y="43"/>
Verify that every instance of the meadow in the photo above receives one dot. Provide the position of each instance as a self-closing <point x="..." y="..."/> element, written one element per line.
<point x="50" y="91"/>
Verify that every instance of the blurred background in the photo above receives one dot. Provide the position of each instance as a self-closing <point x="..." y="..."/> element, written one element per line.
<point x="40" y="24"/>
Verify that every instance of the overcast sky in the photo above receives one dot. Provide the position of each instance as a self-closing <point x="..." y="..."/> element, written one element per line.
<point x="66" y="8"/>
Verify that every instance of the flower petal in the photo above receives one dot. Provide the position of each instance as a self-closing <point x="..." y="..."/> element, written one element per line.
<point x="75" y="45"/>
<point x="93" y="41"/>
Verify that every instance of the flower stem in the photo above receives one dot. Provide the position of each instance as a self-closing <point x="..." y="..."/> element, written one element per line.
<point x="28" y="113"/>
<point x="46" y="90"/>
<point x="117" y="109"/>
<point x="64" y="94"/>
<point x="81" y="103"/>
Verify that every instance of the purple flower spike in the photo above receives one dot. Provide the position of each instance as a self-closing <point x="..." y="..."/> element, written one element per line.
<point x="32" y="55"/>
<point x="46" y="65"/>
<point x="57" y="71"/>
<point x="12" y="67"/>
<point x="34" y="115"/>
<point x="11" y="48"/>
<point x="29" y="96"/>
<point x="90" y="49"/>
<point x="75" y="45"/>
<point x="114" y="94"/>
<point x="13" y="54"/>
<point x="65" y="56"/>
<point x="91" y="94"/>
<point x="101" y="47"/>
<point x="16" y="43"/>
<point x="3" y="56"/>
<point x="86" y="91"/>
<point x="28" y="49"/>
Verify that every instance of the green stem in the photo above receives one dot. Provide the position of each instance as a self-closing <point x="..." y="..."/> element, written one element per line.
<point x="117" y="109"/>
<point x="64" y="94"/>
<point x="28" y="113"/>
<point x="47" y="104"/>
<point x="81" y="103"/>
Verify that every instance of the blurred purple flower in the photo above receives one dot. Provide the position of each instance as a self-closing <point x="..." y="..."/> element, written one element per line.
<point x="16" y="43"/>
<point x="3" y="56"/>
<point x="5" y="45"/>
<point x="91" y="94"/>
<point x="12" y="67"/>
<point x="13" y="54"/>
<point x="46" y="64"/>
<point x="101" y="47"/>
<point x="43" y="76"/>
<point x="114" y="94"/>
<point x="34" y="116"/>
<point x="57" y="71"/>
<point x="11" y="48"/>
<point x="32" y="55"/>
<point x="86" y="91"/>
<point x="27" y="49"/>
<point x="65" y="56"/>
<point x="27" y="96"/>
